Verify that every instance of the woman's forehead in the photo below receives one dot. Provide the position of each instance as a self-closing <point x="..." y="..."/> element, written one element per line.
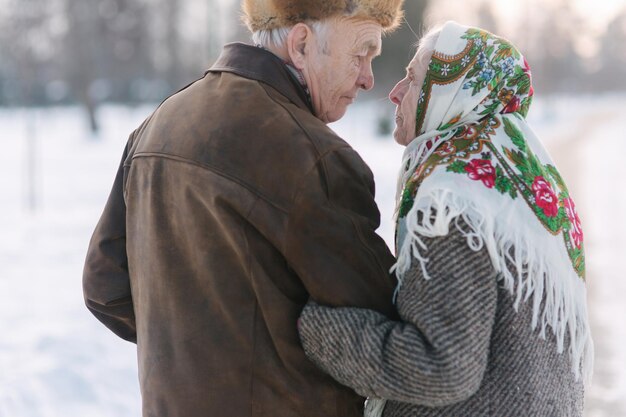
<point x="416" y="63"/>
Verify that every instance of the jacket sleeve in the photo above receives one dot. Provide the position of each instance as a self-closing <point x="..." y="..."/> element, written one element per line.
<point x="106" y="284"/>
<point x="331" y="240"/>
<point x="437" y="354"/>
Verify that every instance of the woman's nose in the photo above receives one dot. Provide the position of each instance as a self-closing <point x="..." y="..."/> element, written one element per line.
<point x="396" y="94"/>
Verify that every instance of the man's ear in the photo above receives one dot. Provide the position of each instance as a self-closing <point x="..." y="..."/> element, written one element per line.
<point x="299" y="41"/>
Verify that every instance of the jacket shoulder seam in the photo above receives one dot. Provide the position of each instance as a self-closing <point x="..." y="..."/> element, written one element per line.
<point x="214" y="170"/>
<point x="319" y="155"/>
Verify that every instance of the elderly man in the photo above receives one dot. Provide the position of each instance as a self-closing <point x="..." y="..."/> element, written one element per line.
<point x="233" y="204"/>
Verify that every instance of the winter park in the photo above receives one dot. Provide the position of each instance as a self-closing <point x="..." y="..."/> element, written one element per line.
<point x="63" y="132"/>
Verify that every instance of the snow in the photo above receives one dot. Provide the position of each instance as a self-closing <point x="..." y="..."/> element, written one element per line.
<point x="55" y="358"/>
<point x="58" y="360"/>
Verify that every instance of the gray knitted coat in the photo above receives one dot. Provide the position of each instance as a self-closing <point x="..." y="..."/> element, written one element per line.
<point x="460" y="350"/>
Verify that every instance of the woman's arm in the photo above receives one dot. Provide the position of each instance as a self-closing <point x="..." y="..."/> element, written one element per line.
<point x="437" y="355"/>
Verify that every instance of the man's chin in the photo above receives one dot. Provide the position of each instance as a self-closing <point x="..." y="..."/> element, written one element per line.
<point x="336" y="114"/>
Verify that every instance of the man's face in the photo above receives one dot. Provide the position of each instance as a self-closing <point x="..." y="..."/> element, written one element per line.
<point x="405" y="96"/>
<point x="337" y="72"/>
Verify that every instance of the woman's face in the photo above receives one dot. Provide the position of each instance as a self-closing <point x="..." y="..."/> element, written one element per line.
<point x="405" y="96"/>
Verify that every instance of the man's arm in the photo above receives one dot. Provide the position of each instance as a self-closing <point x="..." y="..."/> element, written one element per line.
<point x="437" y="355"/>
<point x="331" y="241"/>
<point x="106" y="284"/>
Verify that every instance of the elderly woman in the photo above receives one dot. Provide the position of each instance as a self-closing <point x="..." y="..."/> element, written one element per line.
<point x="490" y="255"/>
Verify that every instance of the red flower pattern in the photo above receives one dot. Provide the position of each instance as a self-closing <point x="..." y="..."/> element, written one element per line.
<point x="446" y="149"/>
<point x="576" y="230"/>
<point x="545" y="197"/>
<point x="481" y="169"/>
<point x="513" y="105"/>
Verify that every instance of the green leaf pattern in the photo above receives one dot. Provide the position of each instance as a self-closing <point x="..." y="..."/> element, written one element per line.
<point x="495" y="68"/>
<point x="516" y="170"/>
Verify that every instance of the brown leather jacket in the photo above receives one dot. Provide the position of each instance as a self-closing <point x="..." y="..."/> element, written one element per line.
<point x="232" y="206"/>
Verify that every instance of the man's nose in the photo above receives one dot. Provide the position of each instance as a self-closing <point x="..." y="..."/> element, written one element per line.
<point x="366" y="77"/>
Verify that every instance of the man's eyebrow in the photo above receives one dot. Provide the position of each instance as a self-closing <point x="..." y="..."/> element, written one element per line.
<point x="371" y="47"/>
<point x="374" y="48"/>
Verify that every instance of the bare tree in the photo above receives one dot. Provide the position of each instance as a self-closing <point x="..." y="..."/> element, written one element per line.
<point x="551" y="49"/>
<point x="612" y="56"/>
<point x="81" y="55"/>
<point x="27" y="48"/>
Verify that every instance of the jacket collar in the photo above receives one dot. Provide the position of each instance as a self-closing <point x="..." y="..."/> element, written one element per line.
<point x="259" y="64"/>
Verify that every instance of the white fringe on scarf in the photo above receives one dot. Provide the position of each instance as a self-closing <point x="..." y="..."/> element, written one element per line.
<point x="374" y="407"/>
<point x="543" y="270"/>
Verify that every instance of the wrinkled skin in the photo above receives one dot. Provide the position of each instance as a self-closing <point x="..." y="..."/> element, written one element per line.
<point x="335" y="70"/>
<point x="405" y="96"/>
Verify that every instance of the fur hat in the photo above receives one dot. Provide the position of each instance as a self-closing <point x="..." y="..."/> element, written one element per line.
<point x="272" y="14"/>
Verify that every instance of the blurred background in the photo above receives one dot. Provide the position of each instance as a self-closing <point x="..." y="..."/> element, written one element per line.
<point x="77" y="76"/>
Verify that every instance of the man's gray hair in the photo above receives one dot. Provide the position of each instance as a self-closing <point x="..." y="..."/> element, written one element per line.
<point x="277" y="38"/>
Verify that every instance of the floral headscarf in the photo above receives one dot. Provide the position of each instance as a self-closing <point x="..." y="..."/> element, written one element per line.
<point x="475" y="157"/>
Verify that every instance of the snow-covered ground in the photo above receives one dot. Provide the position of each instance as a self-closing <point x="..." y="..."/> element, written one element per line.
<point x="57" y="360"/>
